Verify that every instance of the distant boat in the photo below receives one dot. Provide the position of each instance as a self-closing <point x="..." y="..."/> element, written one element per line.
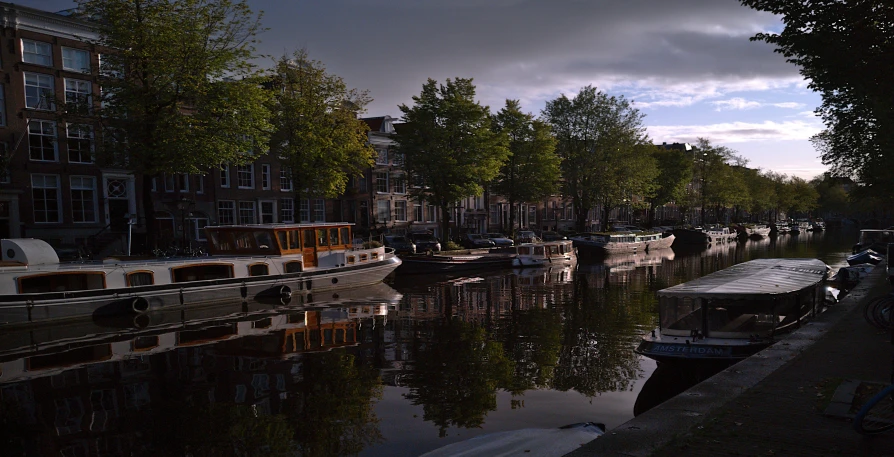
<point x="595" y="244"/>
<point x="447" y="262"/>
<point x="733" y="313"/>
<point x="546" y="253"/>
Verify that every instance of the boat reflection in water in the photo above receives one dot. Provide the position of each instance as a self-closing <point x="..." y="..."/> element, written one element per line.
<point x="259" y="379"/>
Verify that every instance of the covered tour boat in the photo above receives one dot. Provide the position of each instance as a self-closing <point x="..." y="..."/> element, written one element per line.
<point x="734" y="313"/>
<point x="258" y="262"/>
<point x="594" y="244"/>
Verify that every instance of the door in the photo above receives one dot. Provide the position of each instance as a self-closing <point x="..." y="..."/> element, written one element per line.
<point x="309" y="243"/>
<point x="118" y="211"/>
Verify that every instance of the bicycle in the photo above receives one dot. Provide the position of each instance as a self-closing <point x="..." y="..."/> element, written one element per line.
<point x="877" y="414"/>
<point x="878" y="311"/>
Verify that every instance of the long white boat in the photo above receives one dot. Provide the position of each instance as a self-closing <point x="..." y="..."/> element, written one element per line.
<point x="247" y="262"/>
<point x="544" y="254"/>
<point x="589" y="244"/>
<point x="733" y="313"/>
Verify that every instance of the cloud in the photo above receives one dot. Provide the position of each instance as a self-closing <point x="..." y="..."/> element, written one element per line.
<point x="736" y="103"/>
<point x="736" y="132"/>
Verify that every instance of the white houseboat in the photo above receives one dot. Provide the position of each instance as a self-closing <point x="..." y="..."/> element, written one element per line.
<point x="246" y="262"/>
<point x="733" y="313"/>
<point x="544" y="254"/>
<point x="594" y="244"/>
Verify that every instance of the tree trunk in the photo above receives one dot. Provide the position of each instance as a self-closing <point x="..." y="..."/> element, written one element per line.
<point x="445" y="225"/>
<point x="580" y="223"/>
<point x="650" y="215"/>
<point x="511" y="229"/>
<point x="604" y="222"/>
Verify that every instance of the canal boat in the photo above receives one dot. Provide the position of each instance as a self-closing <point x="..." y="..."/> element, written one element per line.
<point x="596" y="244"/>
<point x="462" y="261"/>
<point x="877" y="240"/>
<point x="546" y="253"/>
<point x="267" y="261"/>
<point x="703" y="236"/>
<point x="733" y="313"/>
<point x="755" y="232"/>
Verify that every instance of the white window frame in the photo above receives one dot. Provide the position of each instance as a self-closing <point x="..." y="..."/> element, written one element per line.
<point x="183" y="182"/>
<point x="169" y="182"/>
<point x="304" y="210"/>
<point x="400" y="184"/>
<point x="243" y="212"/>
<point x="286" y="210"/>
<point x="73" y="57"/>
<point x="197" y="232"/>
<point x="78" y="91"/>
<point x="241" y="172"/>
<point x="42" y="87"/>
<point x="225" y="176"/>
<point x="37" y="52"/>
<point x="418" y="214"/>
<point x="285" y="180"/>
<point x="200" y="184"/>
<point x="226" y="207"/>
<point x="382" y="176"/>
<point x="41" y="184"/>
<point x="38" y="128"/>
<point x="77" y="184"/>
<point x="79" y="132"/>
<point x="400" y="210"/>
<point x="383" y="211"/>
<point x="381" y="156"/>
<point x="319" y="210"/>
<point x="265" y="176"/>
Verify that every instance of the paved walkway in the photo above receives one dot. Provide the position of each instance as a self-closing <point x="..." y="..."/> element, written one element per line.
<point x="774" y="403"/>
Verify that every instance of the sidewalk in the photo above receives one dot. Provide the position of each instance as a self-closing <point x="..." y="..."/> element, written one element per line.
<point x="773" y="403"/>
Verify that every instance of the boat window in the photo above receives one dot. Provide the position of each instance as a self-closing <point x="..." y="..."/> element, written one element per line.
<point x="258" y="269"/>
<point x="212" y="238"/>
<point x="265" y="241"/>
<point x="538" y="250"/>
<point x="295" y="239"/>
<point x="737" y="319"/>
<point x="224" y="241"/>
<point x="363" y="257"/>
<point x="293" y="266"/>
<point x="283" y="238"/>
<point x="140" y="278"/>
<point x="201" y="272"/>
<point x="309" y="240"/>
<point x="553" y="249"/>
<point x="374" y="256"/>
<point x="322" y="241"/>
<point x="679" y="316"/>
<point x="333" y="237"/>
<point x="345" y="235"/>
<point x="62" y="282"/>
<point x="244" y="240"/>
<point x="351" y="259"/>
<point x="524" y="250"/>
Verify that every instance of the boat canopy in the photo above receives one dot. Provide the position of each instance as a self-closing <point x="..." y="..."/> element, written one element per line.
<point x="757" y="279"/>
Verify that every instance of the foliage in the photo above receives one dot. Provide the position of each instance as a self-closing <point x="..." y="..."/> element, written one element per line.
<point x="317" y="132"/>
<point x="604" y="150"/>
<point x="449" y="149"/>
<point x="371" y="244"/>
<point x="760" y="193"/>
<point x="178" y="92"/>
<point x="532" y="169"/>
<point x="804" y="195"/>
<point x="846" y="52"/>
<point x="720" y="185"/>
<point x="674" y="174"/>
<point x="533" y="340"/>
<point x="833" y="197"/>
<point x="452" y="246"/>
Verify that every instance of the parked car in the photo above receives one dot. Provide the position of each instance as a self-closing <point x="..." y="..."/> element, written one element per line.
<point x="525" y="236"/>
<point x="552" y="236"/>
<point x="400" y="244"/>
<point x="425" y="241"/>
<point x="475" y="240"/>
<point x="500" y="240"/>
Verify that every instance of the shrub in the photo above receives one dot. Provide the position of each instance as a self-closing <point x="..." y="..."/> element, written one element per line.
<point x="371" y="244"/>
<point x="451" y="246"/>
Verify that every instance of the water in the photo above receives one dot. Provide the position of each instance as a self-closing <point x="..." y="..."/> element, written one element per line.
<point x="396" y="370"/>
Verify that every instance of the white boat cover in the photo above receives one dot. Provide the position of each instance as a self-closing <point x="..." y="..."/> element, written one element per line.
<point x="753" y="279"/>
<point x="541" y="442"/>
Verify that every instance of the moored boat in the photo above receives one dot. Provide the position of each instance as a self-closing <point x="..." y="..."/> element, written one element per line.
<point x="247" y="262"/>
<point x="595" y="244"/>
<point x="447" y="262"/>
<point x="546" y="253"/>
<point x="736" y="312"/>
<point x="754" y="232"/>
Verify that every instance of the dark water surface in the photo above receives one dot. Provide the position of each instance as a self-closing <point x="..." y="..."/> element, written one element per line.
<point x="386" y="370"/>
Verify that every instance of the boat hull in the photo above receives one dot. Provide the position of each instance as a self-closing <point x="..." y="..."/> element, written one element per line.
<point x="432" y="264"/>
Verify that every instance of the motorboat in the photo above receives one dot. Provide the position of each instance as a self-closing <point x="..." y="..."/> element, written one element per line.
<point x="246" y="262"/>
<point x="590" y="244"/>
<point x="735" y="312"/>
<point x="545" y="253"/>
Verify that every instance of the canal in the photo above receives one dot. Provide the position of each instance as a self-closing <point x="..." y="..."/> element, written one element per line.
<point x="397" y="369"/>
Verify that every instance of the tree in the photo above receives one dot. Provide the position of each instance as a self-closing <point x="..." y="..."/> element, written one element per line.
<point x="532" y="169"/>
<point x="449" y="149"/>
<point x="604" y="151"/>
<point x="846" y="52"/>
<point x="804" y="195"/>
<point x="674" y="173"/>
<point x="179" y="94"/>
<point x="719" y="186"/>
<point x="316" y="128"/>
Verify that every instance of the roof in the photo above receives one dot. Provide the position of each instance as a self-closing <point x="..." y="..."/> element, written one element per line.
<point x="761" y="277"/>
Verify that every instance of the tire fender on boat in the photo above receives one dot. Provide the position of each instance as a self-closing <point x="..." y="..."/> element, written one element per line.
<point x="139" y="305"/>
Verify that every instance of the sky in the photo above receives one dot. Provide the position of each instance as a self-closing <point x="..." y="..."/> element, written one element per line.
<point x="688" y="65"/>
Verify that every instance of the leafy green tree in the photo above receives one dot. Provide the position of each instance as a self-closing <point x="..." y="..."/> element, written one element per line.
<point x="760" y="193"/>
<point x="532" y="170"/>
<point x="449" y="149"/>
<point x="783" y="198"/>
<point x="316" y="128"/>
<point x="674" y="173"/>
<point x="804" y="195"/>
<point x="719" y="186"/>
<point x="846" y="52"/>
<point x="179" y="94"/>
<point x="834" y="199"/>
<point x="604" y="151"/>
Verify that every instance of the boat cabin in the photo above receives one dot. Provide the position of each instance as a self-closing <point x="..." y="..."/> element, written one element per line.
<point x="309" y="240"/>
<point x="756" y="299"/>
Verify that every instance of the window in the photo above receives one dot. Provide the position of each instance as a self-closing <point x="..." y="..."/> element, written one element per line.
<point x="319" y="210"/>
<point x="246" y="212"/>
<point x="183" y="182"/>
<point x="417" y="213"/>
<point x="532" y="214"/>
<point x="45" y="198"/>
<point x="83" y="199"/>
<point x="140" y="278"/>
<point x="400" y="210"/>
<point x="39" y="91"/>
<point x="77" y="96"/>
<point x="197" y="225"/>
<point x="76" y="60"/>
<point x="226" y="212"/>
<point x="2" y="105"/>
<point x="224" y="176"/>
<point x="80" y="143"/>
<point x="200" y="184"/>
<point x="42" y="140"/>
<point x="494" y="213"/>
<point x="430" y="213"/>
<point x="287" y="210"/>
<point x="382" y="183"/>
<point x="258" y="269"/>
<point x="382" y="156"/>
<point x="37" y="52"/>
<point x="400" y="184"/>
<point x="383" y="211"/>
<point x="398" y="159"/>
<point x="362" y="184"/>
<point x="265" y="176"/>
<point x="285" y="180"/>
<point x="304" y="211"/>
<point x="245" y="176"/>
<point x="169" y="182"/>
